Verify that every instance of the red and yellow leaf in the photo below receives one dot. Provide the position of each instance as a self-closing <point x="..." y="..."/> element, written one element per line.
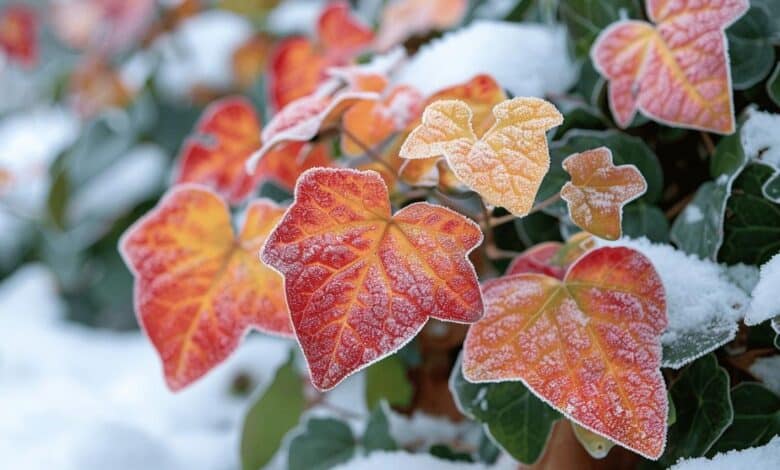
<point x="506" y="164"/>
<point x="402" y="19"/>
<point x="19" y="34"/>
<point x="675" y="71"/>
<point x="198" y="286"/>
<point x="250" y="59"/>
<point x="287" y="162"/>
<point x="588" y="345"/>
<point x="481" y="93"/>
<point x="226" y="134"/>
<point x="368" y="123"/>
<point x="304" y="118"/>
<point x="299" y="65"/>
<point x="361" y="282"/>
<point x="538" y="259"/>
<point x="598" y="190"/>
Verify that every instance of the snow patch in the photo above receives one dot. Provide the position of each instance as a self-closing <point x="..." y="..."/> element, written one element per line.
<point x="760" y="138"/>
<point x="767" y="456"/>
<point x="767" y="369"/>
<point x="526" y="59"/>
<point x="765" y="300"/>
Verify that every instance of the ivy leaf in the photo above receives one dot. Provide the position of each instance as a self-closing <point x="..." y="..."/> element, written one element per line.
<point x="19" y="34"/>
<point x="653" y="69"/>
<point x="323" y="444"/>
<point x="773" y="85"/>
<point x="506" y="164"/>
<point x="752" y="54"/>
<point x="275" y="412"/>
<point x="403" y="19"/>
<point x="585" y="19"/>
<point x="360" y="282"/>
<point x="588" y="345"/>
<point x="756" y="418"/>
<point x="538" y="259"/>
<point x="377" y="434"/>
<point x="752" y="225"/>
<point x="199" y="286"/>
<point x="597" y="446"/>
<point x="645" y="220"/>
<point x="626" y="150"/>
<point x="703" y="409"/>
<point x="514" y="418"/>
<point x="387" y="380"/>
<point x="598" y="190"/>
<point x="298" y="64"/>
<point x="699" y="228"/>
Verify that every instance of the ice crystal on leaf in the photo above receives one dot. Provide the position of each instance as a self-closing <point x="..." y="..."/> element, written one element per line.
<point x="675" y="71"/>
<point x="598" y="190"/>
<point x="506" y="164"/>
<point x="198" y="286"/>
<point x="588" y="345"/>
<point x="360" y="282"/>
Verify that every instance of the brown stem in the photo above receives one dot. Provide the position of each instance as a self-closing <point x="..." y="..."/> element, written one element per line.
<point x="496" y="221"/>
<point x="370" y="152"/>
<point x="708" y="143"/>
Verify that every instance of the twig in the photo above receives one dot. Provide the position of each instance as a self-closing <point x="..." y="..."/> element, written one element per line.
<point x="369" y="151"/>
<point x="708" y="143"/>
<point x="496" y="221"/>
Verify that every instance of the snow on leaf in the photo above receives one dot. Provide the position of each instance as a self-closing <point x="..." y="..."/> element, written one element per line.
<point x="481" y="93"/>
<point x="588" y="345"/>
<point x="705" y="306"/>
<point x="198" y="286"/>
<point x="19" y="34"/>
<point x="598" y="190"/>
<point x="361" y="282"/>
<point x="506" y="164"/>
<point x="767" y="456"/>
<point x="402" y="19"/>
<point x="675" y="71"/>
<point x="371" y="122"/>
<point x="302" y="120"/>
<point x="298" y="64"/>
<point x="225" y="136"/>
<point x="764" y="301"/>
<point x="761" y="143"/>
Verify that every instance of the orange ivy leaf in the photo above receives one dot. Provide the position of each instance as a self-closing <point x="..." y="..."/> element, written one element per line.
<point x="299" y="65"/>
<point x="506" y="164"/>
<point x="19" y="34"/>
<point x="95" y="86"/>
<point x="402" y="19"/>
<point x="598" y="190"/>
<point x="675" y="72"/>
<point x="368" y="123"/>
<point x="302" y="120"/>
<point x="198" y="286"/>
<point x="105" y="26"/>
<point x="225" y="136"/>
<point x="588" y="345"/>
<point x="249" y="60"/>
<point x="361" y="282"/>
<point x="481" y="93"/>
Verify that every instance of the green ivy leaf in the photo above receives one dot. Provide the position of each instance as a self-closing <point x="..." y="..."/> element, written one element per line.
<point x="752" y="54"/>
<point x="444" y="452"/>
<point x="377" y="434"/>
<point x="323" y="444"/>
<point x="699" y="228"/>
<point x="752" y="222"/>
<point x="387" y="380"/>
<point x="516" y="420"/>
<point x="537" y="228"/>
<point x="645" y="220"/>
<point x="702" y="407"/>
<point x="773" y="85"/>
<point x="756" y="418"/>
<point x="276" y="412"/>
<point x="585" y="19"/>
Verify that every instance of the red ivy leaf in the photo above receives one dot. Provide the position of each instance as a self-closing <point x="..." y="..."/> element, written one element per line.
<point x="361" y="282"/>
<point x="588" y="345"/>
<point x="198" y="286"/>
<point x="19" y="34"/>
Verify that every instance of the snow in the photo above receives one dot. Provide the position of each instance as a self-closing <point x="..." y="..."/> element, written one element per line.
<point x="765" y="301"/>
<point x="767" y="456"/>
<point x="404" y="460"/>
<point x="200" y="52"/>
<point x="704" y="304"/>
<point x="295" y="17"/>
<point x="527" y="59"/>
<point x="760" y="138"/>
<point x="767" y="369"/>
<point x="78" y="398"/>
<point x="693" y="214"/>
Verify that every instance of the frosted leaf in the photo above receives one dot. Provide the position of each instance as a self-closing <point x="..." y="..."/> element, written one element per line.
<point x="761" y="142"/>
<point x="704" y="304"/>
<point x="767" y="456"/>
<point x="765" y="299"/>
